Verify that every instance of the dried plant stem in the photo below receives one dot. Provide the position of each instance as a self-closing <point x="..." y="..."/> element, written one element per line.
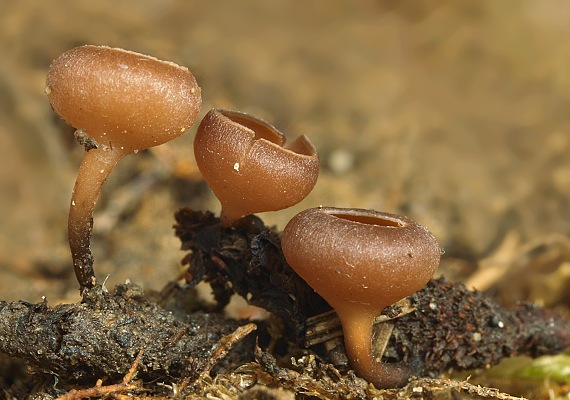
<point x="99" y="390"/>
<point x="96" y="166"/>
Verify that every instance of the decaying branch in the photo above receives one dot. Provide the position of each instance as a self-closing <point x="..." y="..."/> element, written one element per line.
<point x="445" y="326"/>
<point x="101" y="337"/>
<point x="440" y="327"/>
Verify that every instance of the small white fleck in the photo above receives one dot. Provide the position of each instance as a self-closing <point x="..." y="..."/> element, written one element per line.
<point x="477" y="337"/>
<point x="236" y="167"/>
<point x="501" y="324"/>
<point x="73" y="202"/>
<point x="433" y="306"/>
<point x="417" y="389"/>
<point x="102" y="171"/>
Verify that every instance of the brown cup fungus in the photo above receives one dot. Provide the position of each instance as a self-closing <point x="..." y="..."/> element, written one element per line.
<point x="120" y="102"/>
<point x="243" y="160"/>
<point x="360" y="262"/>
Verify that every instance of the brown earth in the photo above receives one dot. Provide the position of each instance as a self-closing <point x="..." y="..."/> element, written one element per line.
<point x="454" y="113"/>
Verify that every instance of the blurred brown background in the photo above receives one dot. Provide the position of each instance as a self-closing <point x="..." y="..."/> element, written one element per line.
<point x="454" y="113"/>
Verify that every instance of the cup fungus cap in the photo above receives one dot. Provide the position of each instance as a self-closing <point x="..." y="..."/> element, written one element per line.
<point x="360" y="257"/>
<point x="246" y="165"/>
<point x="123" y="98"/>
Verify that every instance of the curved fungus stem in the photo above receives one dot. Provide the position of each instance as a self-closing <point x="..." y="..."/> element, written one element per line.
<point x="357" y="329"/>
<point x="95" y="168"/>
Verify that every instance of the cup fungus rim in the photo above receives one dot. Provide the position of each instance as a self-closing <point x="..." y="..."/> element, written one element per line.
<point x="300" y="147"/>
<point x="366" y="217"/>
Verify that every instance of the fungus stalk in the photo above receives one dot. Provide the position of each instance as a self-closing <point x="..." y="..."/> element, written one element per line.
<point x="95" y="168"/>
<point x="357" y="327"/>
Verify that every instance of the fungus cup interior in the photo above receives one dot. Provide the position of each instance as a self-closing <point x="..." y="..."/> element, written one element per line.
<point x="262" y="130"/>
<point x="371" y="220"/>
<point x="259" y="128"/>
